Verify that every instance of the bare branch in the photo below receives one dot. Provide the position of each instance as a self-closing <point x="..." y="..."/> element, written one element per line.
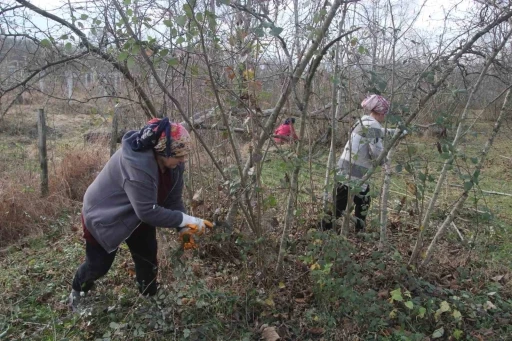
<point x="36" y="72"/>
<point x="10" y="9"/>
<point x="149" y="107"/>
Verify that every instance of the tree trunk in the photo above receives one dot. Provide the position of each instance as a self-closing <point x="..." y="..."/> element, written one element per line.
<point x="384" y="201"/>
<point x="114" y="131"/>
<point x="337" y="93"/>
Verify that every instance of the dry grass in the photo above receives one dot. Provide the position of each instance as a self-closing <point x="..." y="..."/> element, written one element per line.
<point x="24" y="212"/>
<point x="77" y="170"/>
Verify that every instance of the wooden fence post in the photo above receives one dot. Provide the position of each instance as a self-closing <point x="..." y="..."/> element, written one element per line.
<point x="43" y="161"/>
<point x="113" y="132"/>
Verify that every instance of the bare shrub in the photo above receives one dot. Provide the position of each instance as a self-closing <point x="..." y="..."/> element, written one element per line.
<point x="432" y="130"/>
<point x="78" y="169"/>
<point x="102" y="136"/>
<point x="23" y="212"/>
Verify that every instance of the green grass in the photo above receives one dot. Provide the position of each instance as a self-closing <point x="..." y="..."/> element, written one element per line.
<point x="493" y="236"/>
<point x="329" y="285"/>
<point x="36" y="281"/>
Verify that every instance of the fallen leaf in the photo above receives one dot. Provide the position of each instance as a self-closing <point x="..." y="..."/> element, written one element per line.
<point x="489" y="305"/>
<point x="411" y="188"/>
<point x="386" y="332"/>
<point x="497" y="278"/>
<point x="196" y="269"/>
<point x="445" y="306"/>
<point x="270" y="302"/>
<point x="421" y="312"/>
<point x="383" y="294"/>
<point x="230" y="72"/>
<point x="486" y="332"/>
<point x="316" y="331"/>
<point x="315" y="266"/>
<point x="44" y="298"/>
<point x="270" y="334"/>
<point x="454" y="285"/>
<point x="438" y="333"/>
<point x="197" y="199"/>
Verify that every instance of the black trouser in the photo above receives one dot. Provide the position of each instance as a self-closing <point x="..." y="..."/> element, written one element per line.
<point x="143" y="247"/>
<point x="361" y="201"/>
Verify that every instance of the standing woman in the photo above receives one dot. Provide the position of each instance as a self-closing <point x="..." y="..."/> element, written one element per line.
<point x="361" y="150"/>
<point x="139" y="189"/>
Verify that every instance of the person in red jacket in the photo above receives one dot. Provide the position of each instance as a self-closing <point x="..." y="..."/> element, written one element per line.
<point x="285" y="133"/>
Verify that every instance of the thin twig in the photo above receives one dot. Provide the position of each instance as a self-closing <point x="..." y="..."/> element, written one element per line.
<point x="486" y="192"/>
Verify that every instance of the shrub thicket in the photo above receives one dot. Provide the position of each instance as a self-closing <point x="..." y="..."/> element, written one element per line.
<point x="24" y="212"/>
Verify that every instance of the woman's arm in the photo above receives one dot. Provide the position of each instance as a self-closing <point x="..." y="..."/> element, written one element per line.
<point x="174" y="199"/>
<point x="142" y="196"/>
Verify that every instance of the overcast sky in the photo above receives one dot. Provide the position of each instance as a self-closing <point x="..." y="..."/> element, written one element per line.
<point x="431" y="17"/>
<point x="428" y="26"/>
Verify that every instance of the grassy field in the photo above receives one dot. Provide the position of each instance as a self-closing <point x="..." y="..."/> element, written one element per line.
<point x="331" y="288"/>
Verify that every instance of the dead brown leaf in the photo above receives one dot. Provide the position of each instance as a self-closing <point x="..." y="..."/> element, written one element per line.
<point x="386" y="332"/>
<point x="411" y="188"/>
<point x="383" y="294"/>
<point x="230" y="72"/>
<point x="316" y="331"/>
<point x="269" y="334"/>
<point x="454" y="285"/>
<point x="44" y="297"/>
<point x="197" y="269"/>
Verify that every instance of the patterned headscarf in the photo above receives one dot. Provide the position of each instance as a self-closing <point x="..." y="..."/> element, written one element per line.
<point x="166" y="138"/>
<point x="376" y="103"/>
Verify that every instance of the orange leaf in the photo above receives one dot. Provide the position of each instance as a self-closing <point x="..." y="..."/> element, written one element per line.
<point x="230" y="72"/>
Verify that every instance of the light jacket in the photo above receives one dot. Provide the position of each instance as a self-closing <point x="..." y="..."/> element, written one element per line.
<point x="364" y="146"/>
<point x="125" y="193"/>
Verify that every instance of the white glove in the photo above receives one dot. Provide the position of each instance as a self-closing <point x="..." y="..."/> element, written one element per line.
<point x="189" y="220"/>
<point x="191" y="229"/>
<point x="405" y="132"/>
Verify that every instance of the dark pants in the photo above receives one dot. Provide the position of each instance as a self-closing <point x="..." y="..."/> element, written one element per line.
<point x="143" y="247"/>
<point x="361" y="201"/>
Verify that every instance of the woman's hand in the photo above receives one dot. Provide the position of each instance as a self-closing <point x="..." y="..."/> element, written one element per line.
<point x="191" y="229"/>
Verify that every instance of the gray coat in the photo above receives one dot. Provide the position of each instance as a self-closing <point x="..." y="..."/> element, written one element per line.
<point x="125" y="193"/>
